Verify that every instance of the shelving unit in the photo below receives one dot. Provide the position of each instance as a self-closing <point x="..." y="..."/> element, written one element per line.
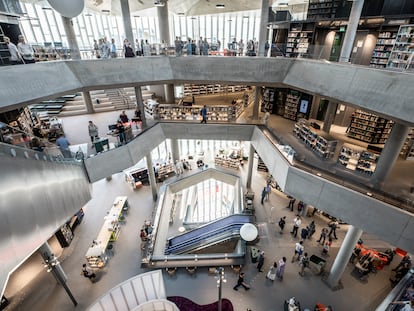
<point x="227" y="162"/>
<point x="261" y="166"/>
<point x="322" y="9"/>
<point x="407" y="151"/>
<point x="298" y="41"/>
<point x="205" y="89"/>
<point x="4" y="50"/>
<point x="291" y="105"/>
<point x="268" y="99"/>
<point x="368" y="127"/>
<point x="64" y="235"/>
<point x="358" y="159"/>
<point x="383" y="48"/>
<point x="403" y="50"/>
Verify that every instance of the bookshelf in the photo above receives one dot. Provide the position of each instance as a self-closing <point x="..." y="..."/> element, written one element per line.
<point x="4" y="50"/>
<point x="369" y="127"/>
<point x="298" y="40"/>
<point x="291" y="105"/>
<point x="383" y="48"/>
<point x="64" y="235"/>
<point x="227" y="162"/>
<point x="322" y="9"/>
<point x="268" y="99"/>
<point x="358" y="159"/>
<point x="407" y="151"/>
<point x="401" y="56"/>
<point x="208" y="89"/>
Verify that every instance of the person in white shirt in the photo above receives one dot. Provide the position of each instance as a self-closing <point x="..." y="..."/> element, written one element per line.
<point x="408" y="305"/>
<point x="15" y="57"/>
<point x="25" y="50"/>
<point x="113" y="49"/>
<point x="296" y="223"/>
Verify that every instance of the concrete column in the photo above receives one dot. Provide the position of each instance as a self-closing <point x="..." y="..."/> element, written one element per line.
<point x="151" y="175"/>
<point x="270" y="39"/>
<point x="250" y="167"/>
<point x="256" y="104"/>
<point x="351" y="30"/>
<point x="163" y="24"/>
<point x="71" y="37"/>
<point x="329" y="116"/>
<point x="169" y="93"/>
<point x="140" y="105"/>
<point x="389" y="154"/>
<point x="175" y="150"/>
<point x="264" y="18"/>
<point x="315" y="106"/>
<point x="344" y="254"/>
<point x="126" y="19"/>
<point x="88" y="102"/>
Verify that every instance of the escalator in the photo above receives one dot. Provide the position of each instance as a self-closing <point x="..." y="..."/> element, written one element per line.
<point x="219" y="231"/>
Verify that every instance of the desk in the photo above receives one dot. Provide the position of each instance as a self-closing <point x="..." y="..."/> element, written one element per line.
<point x="100" y="144"/>
<point x="109" y="232"/>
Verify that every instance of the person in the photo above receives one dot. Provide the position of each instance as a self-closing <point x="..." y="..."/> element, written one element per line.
<point x="63" y="144"/>
<point x="333" y="225"/>
<point x="282" y="223"/>
<point x="281" y="268"/>
<point x="304" y="233"/>
<point x="304" y="263"/>
<point x="240" y="46"/>
<point x="93" y="132"/>
<point x="123" y="117"/>
<point x="268" y="192"/>
<point x="267" y="46"/>
<point x="298" y="251"/>
<point x="88" y="273"/>
<point x="323" y="235"/>
<point x="263" y="195"/>
<point x="325" y="248"/>
<point x="104" y="47"/>
<point x="113" y="49"/>
<point x="203" y="113"/>
<point x="143" y="235"/>
<point x="271" y="274"/>
<point x="241" y="282"/>
<point x="26" y="51"/>
<point x="296" y="224"/>
<point x="137" y="117"/>
<point x="121" y="132"/>
<point x="266" y="118"/>
<point x="311" y="228"/>
<point x="178" y="46"/>
<point x="406" y="260"/>
<point x="408" y="305"/>
<point x="260" y="261"/>
<point x="291" y="203"/>
<point x="128" y="51"/>
<point x="15" y="57"/>
<point x="36" y="145"/>
<point x="301" y="205"/>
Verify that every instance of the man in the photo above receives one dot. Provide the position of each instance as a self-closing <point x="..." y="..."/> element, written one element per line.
<point x="178" y="46"/>
<point x="240" y="282"/>
<point x="296" y="223"/>
<point x="282" y="223"/>
<point x="203" y="113"/>
<point x="299" y="248"/>
<point x="15" y="57"/>
<point x="304" y="263"/>
<point x="333" y="225"/>
<point x="260" y="261"/>
<point x="88" y="273"/>
<point x="25" y="50"/>
<point x="63" y="145"/>
<point x="113" y="48"/>
<point x="323" y="235"/>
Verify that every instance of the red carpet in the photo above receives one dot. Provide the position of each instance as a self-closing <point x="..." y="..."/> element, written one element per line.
<point x="185" y="304"/>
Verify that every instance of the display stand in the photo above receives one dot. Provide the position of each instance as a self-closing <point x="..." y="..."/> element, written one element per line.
<point x="226" y="162"/>
<point x="64" y="235"/>
<point x="96" y="254"/>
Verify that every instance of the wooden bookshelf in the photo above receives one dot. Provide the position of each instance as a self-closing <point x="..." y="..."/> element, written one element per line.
<point x="227" y="162"/>
<point x="401" y="56"/>
<point x="208" y="89"/>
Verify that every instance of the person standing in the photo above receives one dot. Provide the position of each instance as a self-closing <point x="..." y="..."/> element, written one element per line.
<point x="260" y="261"/>
<point x="93" y="132"/>
<point x="304" y="263"/>
<point x="268" y="190"/>
<point x="178" y="46"/>
<point x="304" y="233"/>
<point x="311" y="228"/>
<point x="113" y="49"/>
<point x="241" y="282"/>
<point x="128" y="51"/>
<point x="333" y="225"/>
<point x="121" y="132"/>
<point x="291" y="203"/>
<point x="203" y="113"/>
<point x="323" y="235"/>
<point x="263" y="195"/>
<point x="63" y="145"/>
<point x="296" y="223"/>
<point x="15" y="57"/>
<point x="298" y="251"/>
<point x="137" y="48"/>
<point x="88" y="273"/>
<point x="123" y="117"/>
<point x="26" y="51"/>
<point x="281" y="268"/>
<point x="282" y="223"/>
<point x="271" y="274"/>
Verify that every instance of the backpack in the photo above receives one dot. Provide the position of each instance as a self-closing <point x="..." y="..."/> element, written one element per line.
<point x="281" y="223"/>
<point x="85" y="273"/>
<point x="305" y="261"/>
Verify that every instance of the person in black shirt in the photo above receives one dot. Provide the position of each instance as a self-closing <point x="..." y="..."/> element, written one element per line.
<point x="121" y="132"/>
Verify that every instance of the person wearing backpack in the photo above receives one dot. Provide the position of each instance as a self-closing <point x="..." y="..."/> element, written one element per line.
<point x="282" y="223"/>
<point x="304" y="263"/>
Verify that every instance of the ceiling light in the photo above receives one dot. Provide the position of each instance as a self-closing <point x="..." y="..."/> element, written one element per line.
<point x="105" y="11"/>
<point x="220" y="6"/>
<point x="87" y="14"/>
<point x="47" y="9"/>
<point x="159" y="3"/>
<point x="181" y="13"/>
<point x="283" y="4"/>
<point x="245" y="17"/>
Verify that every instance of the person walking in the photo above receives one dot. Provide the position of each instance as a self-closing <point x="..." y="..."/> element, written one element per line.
<point x="26" y="51"/>
<point x="88" y="273"/>
<point x="311" y="228"/>
<point x="263" y="195"/>
<point x="323" y="235"/>
<point x="333" y="225"/>
<point x="291" y="203"/>
<point x="241" y="282"/>
<point x="271" y="274"/>
<point x="15" y="57"/>
<point x="304" y="263"/>
<point x="63" y="144"/>
<point x="93" y="132"/>
<point x="203" y="113"/>
<point x="260" y="261"/>
<point x="296" y="223"/>
<point x="304" y="233"/>
<point x="282" y="223"/>
<point x="268" y="189"/>
<point x="298" y="251"/>
<point x="281" y="268"/>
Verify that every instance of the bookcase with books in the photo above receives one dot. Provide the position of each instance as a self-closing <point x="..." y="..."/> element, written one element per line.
<point x="402" y="53"/>
<point x="407" y="151"/>
<point x="299" y="39"/>
<point x="322" y="9"/>
<point x="383" y="47"/>
<point x="358" y="159"/>
<point x="291" y="105"/>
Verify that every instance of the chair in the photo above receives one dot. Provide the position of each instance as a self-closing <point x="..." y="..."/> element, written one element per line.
<point x="171" y="271"/>
<point x="191" y="270"/>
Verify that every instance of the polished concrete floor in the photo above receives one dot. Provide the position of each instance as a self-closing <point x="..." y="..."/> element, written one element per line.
<point x="32" y="288"/>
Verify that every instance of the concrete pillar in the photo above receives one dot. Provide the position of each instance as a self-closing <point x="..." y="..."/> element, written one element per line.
<point x="351" y="30"/>
<point x="256" y="104"/>
<point x="344" y="254"/>
<point x="250" y="167"/>
<point x="270" y="39"/>
<point x="175" y="150"/>
<point x="88" y="102"/>
<point x="71" y="37"/>
<point x="264" y="18"/>
<point x="140" y="105"/>
<point x="389" y="154"/>
<point x="163" y="24"/>
<point x="329" y="116"/>
<point x="126" y="19"/>
<point x="151" y="175"/>
<point x="315" y="106"/>
<point x="169" y="93"/>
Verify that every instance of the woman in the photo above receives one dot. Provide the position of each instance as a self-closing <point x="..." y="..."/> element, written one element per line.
<point x="128" y="51"/>
<point x="271" y="274"/>
<point x="93" y="132"/>
<point x="281" y="269"/>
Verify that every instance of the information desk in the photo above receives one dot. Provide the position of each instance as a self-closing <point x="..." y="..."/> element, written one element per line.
<point x="96" y="255"/>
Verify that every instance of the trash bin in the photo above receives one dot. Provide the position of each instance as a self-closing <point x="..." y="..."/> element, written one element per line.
<point x="317" y="264"/>
<point x="254" y="254"/>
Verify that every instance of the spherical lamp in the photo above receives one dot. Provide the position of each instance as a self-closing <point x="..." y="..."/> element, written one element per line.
<point x="248" y="232"/>
<point x="67" y="8"/>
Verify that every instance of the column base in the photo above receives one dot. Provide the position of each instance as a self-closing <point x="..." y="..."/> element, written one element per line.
<point x="336" y="287"/>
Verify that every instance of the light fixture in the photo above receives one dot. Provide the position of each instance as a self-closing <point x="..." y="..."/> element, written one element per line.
<point x="159" y="3"/>
<point x="87" y="14"/>
<point x="136" y="16"/>
<point x="105" y="11"/>
<point x="283" y="4"/>
<point x="248" y="232"/>
<point x="220" y="6"/>
<point x="46" y="9"/>
<point x="181" y="13"/>
<point x="245" y="17"/>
